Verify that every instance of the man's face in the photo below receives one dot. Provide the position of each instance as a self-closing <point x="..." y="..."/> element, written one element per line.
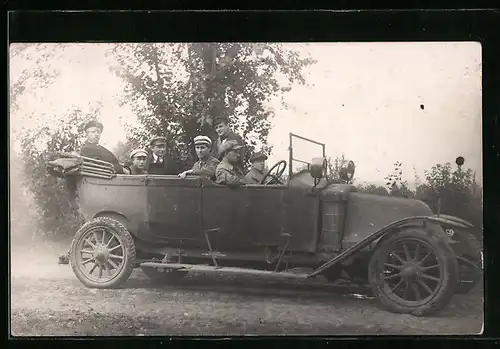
<point x="233" y="156"/>
<point x="160" y="149"/>
<point x="93" y="135"/>
<point x="202" y="151"/>
<point x="259" y="165"/>
<point x="221" y="128"/>
<point x="139" y="162"/>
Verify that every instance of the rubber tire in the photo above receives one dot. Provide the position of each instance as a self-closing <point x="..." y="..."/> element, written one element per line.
<point x="471" y="240"/>
<point x="129" y="248"/>
<point x="163" y="278"/>
<point x="448" y="260"/>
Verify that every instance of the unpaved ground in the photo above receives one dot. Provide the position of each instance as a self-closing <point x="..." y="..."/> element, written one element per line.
<point x="48" y="300"/>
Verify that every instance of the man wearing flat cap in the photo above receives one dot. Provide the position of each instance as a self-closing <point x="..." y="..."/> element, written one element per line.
<point x="227" y="173"/>
<point x="139" y="158"/>
<point x="206" y="164"/>
<point x="256" y="173"/>
<point x="221" y="125"/>
<point x="158" y="163"/>
<point x="92" y="148"/>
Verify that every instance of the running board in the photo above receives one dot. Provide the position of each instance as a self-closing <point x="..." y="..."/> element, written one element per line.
<point x="233" y="270"/>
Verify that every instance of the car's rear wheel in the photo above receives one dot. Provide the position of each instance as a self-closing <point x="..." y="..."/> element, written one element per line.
<point x="413" y="271"/>
<point x="163" y="277"/>
<point x="103" y="253"/>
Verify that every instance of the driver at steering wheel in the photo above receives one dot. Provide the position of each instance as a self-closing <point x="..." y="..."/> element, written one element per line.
<point x="256" y="173"/>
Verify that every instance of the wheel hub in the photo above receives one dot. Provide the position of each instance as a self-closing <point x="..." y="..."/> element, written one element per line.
<point x="410" y="270"/>
<point x="101" y="254"/>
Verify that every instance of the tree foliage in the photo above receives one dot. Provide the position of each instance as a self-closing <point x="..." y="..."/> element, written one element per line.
<point x="55" y="200"/>
<point x="373" y="189"/>
<point x="177" y="90"/>
<point x="333" y="167"/>
<point x="395" y="184"/>
<point x="453" y="192"/>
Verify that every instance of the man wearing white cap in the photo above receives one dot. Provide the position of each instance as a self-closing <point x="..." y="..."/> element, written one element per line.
<point x="139" y="158"/>
<point x="206" y="164"/>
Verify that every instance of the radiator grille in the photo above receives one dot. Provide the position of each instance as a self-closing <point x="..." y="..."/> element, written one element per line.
<point x="331" y="226"/>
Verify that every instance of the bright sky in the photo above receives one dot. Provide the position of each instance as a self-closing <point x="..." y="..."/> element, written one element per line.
<point x="362" y="99"/>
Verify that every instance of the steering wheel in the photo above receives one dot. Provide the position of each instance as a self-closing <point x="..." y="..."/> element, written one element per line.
<point x="277" y="176"/>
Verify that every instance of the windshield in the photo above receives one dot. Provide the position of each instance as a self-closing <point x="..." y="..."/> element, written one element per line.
<point x="301" y="151"/>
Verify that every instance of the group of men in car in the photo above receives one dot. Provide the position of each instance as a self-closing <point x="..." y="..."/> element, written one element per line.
<point x="221" y="161"/>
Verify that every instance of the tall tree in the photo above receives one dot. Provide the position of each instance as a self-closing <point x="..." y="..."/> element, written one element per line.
<point x="177" y="90"/>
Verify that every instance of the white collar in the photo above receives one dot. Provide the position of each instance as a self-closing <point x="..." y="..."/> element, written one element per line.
<point x="155" y="158"/>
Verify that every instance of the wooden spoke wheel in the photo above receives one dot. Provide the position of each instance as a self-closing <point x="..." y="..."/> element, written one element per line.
<point x="413" y="271"/>
<point x="103" y="253"/>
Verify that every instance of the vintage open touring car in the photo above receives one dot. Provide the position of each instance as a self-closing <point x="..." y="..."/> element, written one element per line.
<point x="414" y="260"/>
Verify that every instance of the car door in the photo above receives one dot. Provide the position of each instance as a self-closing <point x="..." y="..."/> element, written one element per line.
<point x="174" y="210"/>
<point x="275" y="209"/>
<point x="266" y="214"/>
<point x="302" y="218"/>
<point x="225" y="212"/>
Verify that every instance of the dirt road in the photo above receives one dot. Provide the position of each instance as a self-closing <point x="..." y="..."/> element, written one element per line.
<point x="48" y="300"/>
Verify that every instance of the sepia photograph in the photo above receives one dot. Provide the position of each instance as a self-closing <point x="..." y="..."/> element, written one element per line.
<point x="245" y="189"/>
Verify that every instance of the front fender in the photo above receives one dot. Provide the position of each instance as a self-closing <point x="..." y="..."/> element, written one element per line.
<point x="379" y="235"/>
<point x="451" y="221"/>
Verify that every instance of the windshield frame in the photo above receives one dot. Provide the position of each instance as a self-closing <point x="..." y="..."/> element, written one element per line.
<point x="291" y="159"/>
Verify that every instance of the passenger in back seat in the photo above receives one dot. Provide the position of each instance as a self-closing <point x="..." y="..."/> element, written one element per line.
<point x="228" y="173"/>
<point x="206" y="164"/>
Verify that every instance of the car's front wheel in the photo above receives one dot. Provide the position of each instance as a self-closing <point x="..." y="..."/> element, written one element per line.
<point x="103" y="253"/>
<point x="413" y="271"/>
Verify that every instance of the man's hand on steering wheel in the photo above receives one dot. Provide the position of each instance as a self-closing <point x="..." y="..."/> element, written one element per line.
<point x="276" y="177"/>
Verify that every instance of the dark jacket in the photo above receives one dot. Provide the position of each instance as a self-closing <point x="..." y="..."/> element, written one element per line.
<point x="97" y="151"/>
<point x="231" y="136"/>
<point x="168" y="167"/>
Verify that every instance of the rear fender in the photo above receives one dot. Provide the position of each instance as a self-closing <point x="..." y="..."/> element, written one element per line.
<point x="437" y="224"/>
<point x="119" y="217"/>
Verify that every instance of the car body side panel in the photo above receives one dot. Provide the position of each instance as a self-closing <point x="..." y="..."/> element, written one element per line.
<point x="125" y="195"/>
<point x="174" y="211"/>
<point x="224" y="208"/>
<point x="302" y="219"/>
<point x="252" y="217"/>
<point x="276" y="209"/>
<point x="266" y="214"/>
<point x="367" y="213"/>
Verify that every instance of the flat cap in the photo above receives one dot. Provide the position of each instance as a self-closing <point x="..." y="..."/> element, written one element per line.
<point x="258" y="156"/>
<point x="219" y="119"/>
<point x="155" y="140"/>
<point x="93" y="123"/>
<point x="203" y="140"/>
<point x="228" y="146"/>
<point x="138" y="152"/>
